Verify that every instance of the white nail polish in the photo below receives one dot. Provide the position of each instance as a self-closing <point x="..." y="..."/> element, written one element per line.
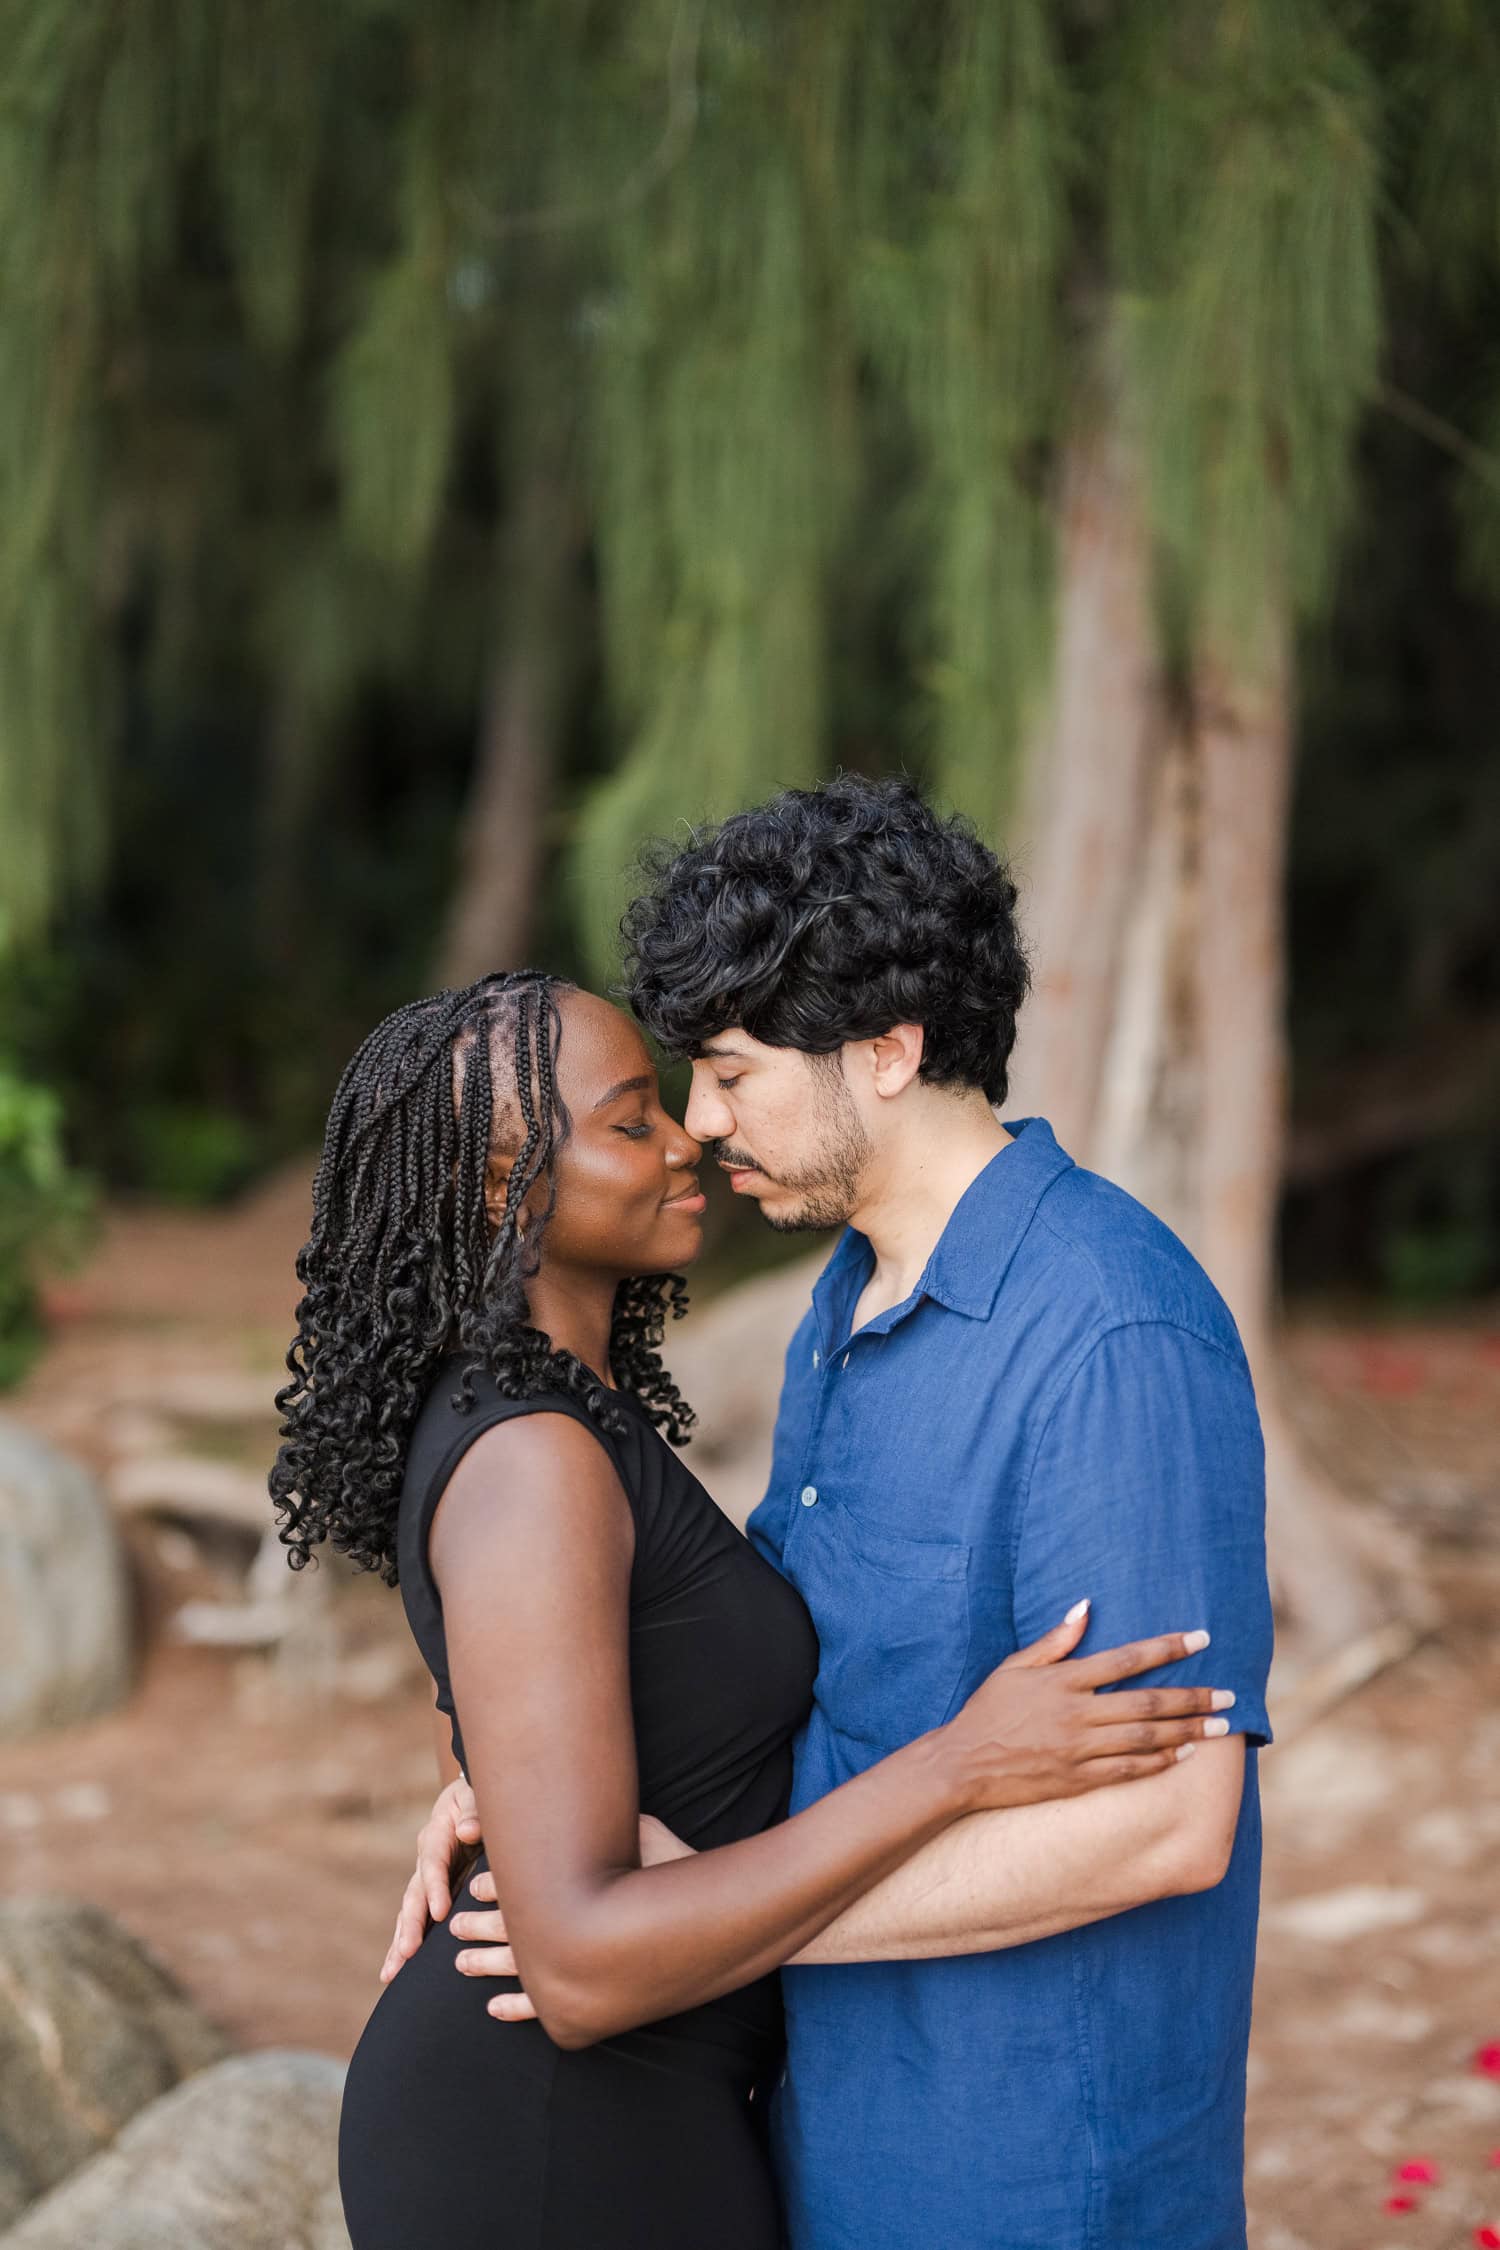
<point x="1186" y="1749"/>
<point x="1216" y="1726"/>
<point x="1077" y="1610"/>
<point x="1195" y="1640"/>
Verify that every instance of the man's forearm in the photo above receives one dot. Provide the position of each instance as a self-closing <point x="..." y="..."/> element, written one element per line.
<point x="997" y="1879"/>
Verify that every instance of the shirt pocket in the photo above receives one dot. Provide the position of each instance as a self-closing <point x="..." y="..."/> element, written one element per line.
<point x="893" y="1627"/>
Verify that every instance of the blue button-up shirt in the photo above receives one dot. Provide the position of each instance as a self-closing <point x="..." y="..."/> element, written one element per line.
<point x="1061" y="1407"/>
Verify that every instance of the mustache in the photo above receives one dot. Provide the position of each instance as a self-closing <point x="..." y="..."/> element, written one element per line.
<point x="733" y="1159"/>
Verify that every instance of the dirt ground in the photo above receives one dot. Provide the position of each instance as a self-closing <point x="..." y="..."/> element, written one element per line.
<point x="251" y="1816"/>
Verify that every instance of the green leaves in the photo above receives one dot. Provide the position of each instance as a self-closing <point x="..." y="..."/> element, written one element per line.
<point x="270" y="80"/>
<point x="46" y="1209"/>
<point x="392" y="396"/>
<point x="966" y="151"/>
<point x="721" y="474"/>
<point x="1246" y="190"/>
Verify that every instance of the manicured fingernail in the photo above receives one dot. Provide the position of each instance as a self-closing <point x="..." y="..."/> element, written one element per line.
<point x="1198" y="1639"/>
<point x="1077" y="1610"/>
<point x="1186" y="1750"/>
<point x="1216" y="1726"/>
<point x="1222" y="1698"/>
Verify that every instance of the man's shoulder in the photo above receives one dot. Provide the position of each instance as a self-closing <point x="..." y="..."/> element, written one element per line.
<point x="1108" y="1262"/>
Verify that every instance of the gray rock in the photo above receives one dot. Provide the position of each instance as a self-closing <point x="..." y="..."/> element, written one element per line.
<point x="65" y="1604"/>
<point x="91" y="2030"/>
<point x="242" y="2156"/>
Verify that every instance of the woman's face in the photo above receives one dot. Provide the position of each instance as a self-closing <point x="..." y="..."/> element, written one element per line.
<point x="628" y="1200"/>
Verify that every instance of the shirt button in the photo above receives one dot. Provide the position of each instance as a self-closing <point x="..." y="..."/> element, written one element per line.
<point x="809" y="1496"/>
<point x="817" y="1359"/>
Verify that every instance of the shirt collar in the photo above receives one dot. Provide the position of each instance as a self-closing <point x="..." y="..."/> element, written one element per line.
<point x="975" y="1248"/>
<point x="990" y="1219"/>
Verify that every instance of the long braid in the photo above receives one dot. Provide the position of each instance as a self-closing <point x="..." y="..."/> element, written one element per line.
<point x="404" y="1262"/>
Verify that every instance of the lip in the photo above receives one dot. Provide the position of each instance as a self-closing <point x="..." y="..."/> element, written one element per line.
<point x="691" y="1199"/>
<point x="740" y="1177"/>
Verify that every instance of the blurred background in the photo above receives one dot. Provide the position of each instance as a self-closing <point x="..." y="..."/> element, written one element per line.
<point x="443" y="446"/>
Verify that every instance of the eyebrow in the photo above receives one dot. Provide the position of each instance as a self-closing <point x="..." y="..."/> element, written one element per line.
<point x="626" y="1086"/>
<point x="720" y="1053"/>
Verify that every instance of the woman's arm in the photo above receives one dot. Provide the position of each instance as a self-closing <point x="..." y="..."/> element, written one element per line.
<point x="536" y="1514"/>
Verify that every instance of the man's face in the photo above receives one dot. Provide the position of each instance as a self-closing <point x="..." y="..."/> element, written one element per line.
<point x="785" y="1128"/>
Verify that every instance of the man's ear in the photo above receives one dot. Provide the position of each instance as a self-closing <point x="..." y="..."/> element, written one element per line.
<point x="895" y="1058"/>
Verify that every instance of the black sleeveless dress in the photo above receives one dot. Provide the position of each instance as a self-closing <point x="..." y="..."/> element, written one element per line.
<point x="459" y="2132"/>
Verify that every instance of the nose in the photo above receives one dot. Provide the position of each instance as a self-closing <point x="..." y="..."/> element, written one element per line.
<point x="683" y="1150"/>
<point x="708" y="1115"/>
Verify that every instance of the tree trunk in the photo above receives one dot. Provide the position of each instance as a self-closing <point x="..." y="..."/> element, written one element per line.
<point x="1087" y="792"/>
<point x="1144" y="1133"/>
<point x="502" y="826"/>
<point x="1191" y="1120"/>
<point x="1339" y="1573"/>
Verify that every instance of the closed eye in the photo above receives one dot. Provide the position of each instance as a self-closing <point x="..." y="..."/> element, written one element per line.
<point x="635" y="1132"/>
<point x="724" y="1084"/>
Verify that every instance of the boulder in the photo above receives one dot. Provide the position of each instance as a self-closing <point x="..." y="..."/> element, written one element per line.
<point x="92" y="2028"/>
<point x="66" y="1622"/>
<point x="241" y="2156"/>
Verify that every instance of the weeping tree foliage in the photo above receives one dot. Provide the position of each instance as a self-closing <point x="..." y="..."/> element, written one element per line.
<point x="303" y="310"/>
<point x="721" y="438"/>
<point x="65" y="244"/>
<point x="1243" y="229"/>
<point x="910" y="234"/>
<point x="962" y="242"/>
<point x="714" y="230"/>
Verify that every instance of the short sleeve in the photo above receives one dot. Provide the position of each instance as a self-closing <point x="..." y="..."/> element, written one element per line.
<point x="1147" y="1493"/>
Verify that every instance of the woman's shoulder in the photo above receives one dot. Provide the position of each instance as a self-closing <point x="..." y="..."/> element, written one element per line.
<point x="463" y="1401"/>
<point x="462" y="1404"/>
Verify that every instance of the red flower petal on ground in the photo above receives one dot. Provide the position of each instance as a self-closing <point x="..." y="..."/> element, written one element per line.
<point x="1389" y="1370"/>
<point x="1495" y="2159"/>
<point x="1488" y="2238"/>
<point x="1488" y="2059"/>
<point x="1402" y="2202"/>
<point x="1418" y="2168"/>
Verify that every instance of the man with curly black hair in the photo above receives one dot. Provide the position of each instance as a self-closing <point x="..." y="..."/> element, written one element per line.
<point x="1014" y="1387"/>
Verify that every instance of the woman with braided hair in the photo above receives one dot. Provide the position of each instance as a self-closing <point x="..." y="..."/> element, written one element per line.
<point x="478" y="1410"/>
